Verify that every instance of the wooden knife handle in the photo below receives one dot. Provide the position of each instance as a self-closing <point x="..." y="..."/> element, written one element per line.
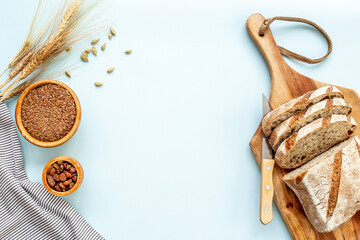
<point x="267" y="191"/>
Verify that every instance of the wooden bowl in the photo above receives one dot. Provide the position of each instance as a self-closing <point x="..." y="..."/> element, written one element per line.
<point x="25" y="133"/>
<point x="79" y="171"/>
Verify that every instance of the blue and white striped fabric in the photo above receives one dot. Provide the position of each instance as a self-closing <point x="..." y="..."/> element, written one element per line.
<point x="27" y="209"/>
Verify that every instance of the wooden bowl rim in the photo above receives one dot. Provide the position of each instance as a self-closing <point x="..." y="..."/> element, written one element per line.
<point x="79" y="171"/>
<point x="27" y="135"/>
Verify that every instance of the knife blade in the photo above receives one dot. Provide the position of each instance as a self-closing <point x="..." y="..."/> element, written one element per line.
<point x="267" y="167"/>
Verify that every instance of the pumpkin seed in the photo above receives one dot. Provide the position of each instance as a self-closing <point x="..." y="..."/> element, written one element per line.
<point x="128" y="52"/>
<point x="95" y="41"/>
<point x="103" y="47"/>
<point x="98" y="84"/>
<point x="68" y="74"/>
<point x="112" y="31"/>
<point x="110" y="70"/>
<point x="94" y="51"/>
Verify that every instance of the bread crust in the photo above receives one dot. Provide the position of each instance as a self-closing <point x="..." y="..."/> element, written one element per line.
<point x="323" y="108"/>
<point x="298" y="140"/>
<point x="329" y="191"/>
<point x="293" y="106"/>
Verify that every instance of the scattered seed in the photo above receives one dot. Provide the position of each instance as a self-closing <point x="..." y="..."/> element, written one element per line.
<point x="84" y="58"/>
<point x="112" y="31"/>
<point x="103" y="47"/>
<point x="110" y="36"/>
<point x="94" y="51"/>
<point x="128" y="52"/>
<point x="68" y="49"/>
<point x="110" y="70"/>
<point x="95" y="41"/>
<point x="98" y="84"/>
<point x="88" y="50"/>
<point x="68" y="74"/>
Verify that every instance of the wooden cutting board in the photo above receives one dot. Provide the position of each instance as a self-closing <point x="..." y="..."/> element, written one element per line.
<point x="286" y="84"/>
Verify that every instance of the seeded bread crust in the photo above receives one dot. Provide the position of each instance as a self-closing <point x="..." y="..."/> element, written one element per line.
<point x="292" y="107"/>
<point x="313" y="139"/>
<point x="323" y="108"/>
<point x="328" y="187"/>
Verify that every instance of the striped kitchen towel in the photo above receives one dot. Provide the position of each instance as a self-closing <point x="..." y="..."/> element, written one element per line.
<point x="27" y="209"/>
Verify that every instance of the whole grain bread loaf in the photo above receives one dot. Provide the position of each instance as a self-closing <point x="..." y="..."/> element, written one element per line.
<point x="314" y="139"/>
<point x="328" y="186"/>
<point x="323" y="108"/>
<point x="292" y="107"/>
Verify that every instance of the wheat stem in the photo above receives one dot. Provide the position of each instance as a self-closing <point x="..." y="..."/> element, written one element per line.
<point x="4" y="71"/>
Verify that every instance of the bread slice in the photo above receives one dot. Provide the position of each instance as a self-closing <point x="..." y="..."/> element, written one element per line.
<point x="324" y="108"/>
<point x="314" y="139"/>
<point x="292" y="107"/>
<point x="328" y="187"/>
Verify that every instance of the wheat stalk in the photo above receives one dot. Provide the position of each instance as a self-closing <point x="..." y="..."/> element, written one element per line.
<point x="28" y="43"/>
<point x="18" y="68"/>
<point x="19" y="89"/>
<point x="68" y="31"/>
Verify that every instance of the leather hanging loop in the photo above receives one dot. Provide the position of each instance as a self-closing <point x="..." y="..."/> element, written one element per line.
<point x="288" y="53"/>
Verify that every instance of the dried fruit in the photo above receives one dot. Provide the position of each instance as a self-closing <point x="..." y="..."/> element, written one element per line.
<point x="95" y="41"/>
<point x="98" y="84"/>
<point x="84" y="58"/>
<point x="94" y="51"/>
<point x="112" y="31"/>
<point x="65" y="180"/>
<point x="68" y="74"/>
<point x="62" y="177"/>
<point x="50" y="180"/>
<point x="103" y="47"/>
<point x="110" y="36"/>
<point x="72" y="170"/>
<point x="128" y="52"/>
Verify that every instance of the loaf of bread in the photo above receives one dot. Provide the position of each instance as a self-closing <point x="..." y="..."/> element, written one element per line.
<point x="328" y="187"/>
<point x="314" y="139"/>
<point x="323" y="108"/>
<point x="292" y="107"/>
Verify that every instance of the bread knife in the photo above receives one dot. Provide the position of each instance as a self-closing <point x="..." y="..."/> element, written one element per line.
<point x="267" y="167"/>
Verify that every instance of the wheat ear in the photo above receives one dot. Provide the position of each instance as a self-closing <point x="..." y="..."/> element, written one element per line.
<point x="18" y="68"/>
<point x="19" y="89"/>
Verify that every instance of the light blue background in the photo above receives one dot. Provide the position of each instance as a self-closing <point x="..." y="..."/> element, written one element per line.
<point x="164" y="143"/>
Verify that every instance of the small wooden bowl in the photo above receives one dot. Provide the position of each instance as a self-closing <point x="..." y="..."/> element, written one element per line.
<point x="25" y="133"/>
<point x="79" y="170"/>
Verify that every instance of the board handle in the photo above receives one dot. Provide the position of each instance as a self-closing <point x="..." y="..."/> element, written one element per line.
<point x="266" y="191"/>
<point x="266" y="44"/>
